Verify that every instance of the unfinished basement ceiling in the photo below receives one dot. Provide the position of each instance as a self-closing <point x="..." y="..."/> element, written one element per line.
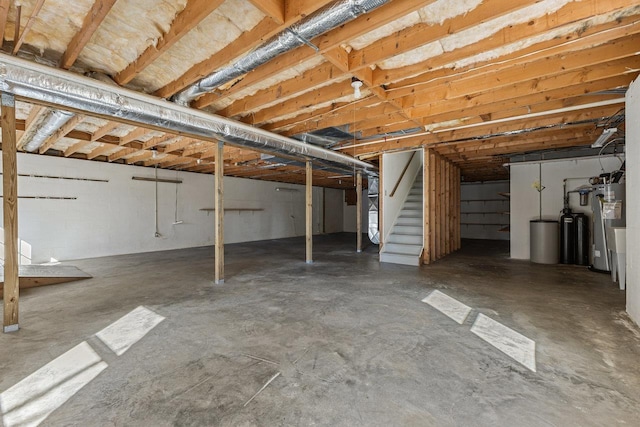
<point x="478" y="81"/>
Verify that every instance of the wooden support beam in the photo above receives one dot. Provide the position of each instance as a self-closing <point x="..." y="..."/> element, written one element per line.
<point x="99" y="133"/>
<point x="426" y="185"/>
<point x="309" y="212"/>
<point x="340" y="35"/>
<point x="323" y="73"/>
<point x="10" y="212"/>
<point x="219" y="215"/>
<point x="246" y="41"/>
<point x="275" y="9"/>
<point x="380" y="205"/>
<point x="557" y="119"/>
<point x="134" y="134"/>
<point x="90" y="24"/>
<point x="359" y="211"/>
<point x="99" y="151"/>
<point x="76" y="147"/>
<point x="144" y="155"/>
<point x="443" y="209"/>
<point x="335" y="115"/>
<point x="4" y="13"/>
<point x="458" y="199"/>
<point x="180" y="144"/>
<point x="16" y="24"/>
<point x="570" y="13"/>
<point x="432" y="203"/>
<point x="318" y="96"/>
<point x="27" y="28"/>
<point x="447" y="207"/>
<point x="192" y="14"/>
<point x="34" y="116"/>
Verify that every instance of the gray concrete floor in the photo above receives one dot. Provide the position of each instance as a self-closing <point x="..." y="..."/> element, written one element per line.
<point x="353" y="341"/>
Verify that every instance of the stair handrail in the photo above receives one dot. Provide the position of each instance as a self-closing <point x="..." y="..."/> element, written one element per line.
<point x="395" y="187"/>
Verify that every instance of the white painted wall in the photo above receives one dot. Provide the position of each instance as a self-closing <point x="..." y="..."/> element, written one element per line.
<point x="350" y="218"/>
<point x="118" y="217"/>
<point x="525" y="201"/>
<point x="484" y="197"/>
<point x="393" y="164"/>
<point x="333" y="210"/>
<point x="632" y="111"/>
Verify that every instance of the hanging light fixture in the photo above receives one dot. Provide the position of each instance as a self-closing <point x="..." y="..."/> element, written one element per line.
<point x="356" y="85"/>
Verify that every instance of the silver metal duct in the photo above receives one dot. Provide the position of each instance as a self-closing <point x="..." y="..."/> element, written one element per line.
<point x="51" y="122"/>
<point x="54" y="120"/>
<point x="68" y="91"/>
<point x="319" y="22"/>
<point x="373" y="230"/>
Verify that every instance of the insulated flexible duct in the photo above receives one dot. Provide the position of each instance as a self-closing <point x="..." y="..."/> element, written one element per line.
<point x="319" y="22"/>
<point x="51" y="122"/>
<point x="69" y="91"/>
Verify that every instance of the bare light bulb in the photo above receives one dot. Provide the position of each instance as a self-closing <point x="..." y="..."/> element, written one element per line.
<point x="356" y="85"/>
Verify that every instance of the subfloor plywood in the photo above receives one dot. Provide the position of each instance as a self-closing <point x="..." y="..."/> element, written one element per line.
<point x="32" y="276"/>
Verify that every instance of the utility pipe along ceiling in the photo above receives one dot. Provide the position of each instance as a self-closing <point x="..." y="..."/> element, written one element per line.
<point x="48" y="86"/>
<point x="314" y="25"/>
<point x="477" y="81"/>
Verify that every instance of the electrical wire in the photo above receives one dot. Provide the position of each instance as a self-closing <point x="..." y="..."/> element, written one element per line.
<point x="602" y="149"/>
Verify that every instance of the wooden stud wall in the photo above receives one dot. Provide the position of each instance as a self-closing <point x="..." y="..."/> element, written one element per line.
<point x="441" y="207"/>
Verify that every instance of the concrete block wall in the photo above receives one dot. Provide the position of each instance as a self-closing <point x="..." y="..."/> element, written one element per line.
<point x="117" y="217"/>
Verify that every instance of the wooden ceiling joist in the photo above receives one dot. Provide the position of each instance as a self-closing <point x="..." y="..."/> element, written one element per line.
<point x="99" y="151"/>
<point x="61" y="132"/>
<point x="4" y="14"/>
<point x="323" y="73"/>
<point x="92" y="21"/>
<point x="192" y="14"/>
<point x="482" y="131"/>
<point x="74" y="148"/>
<point x="569" y="14"/>
<point x="24" y="31"/>
<point x="539" y="81"/>
<point x="330" y="40"/>
<point x="35" y="115"/>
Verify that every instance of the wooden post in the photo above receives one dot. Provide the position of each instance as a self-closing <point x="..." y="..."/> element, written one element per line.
<point x="359" y="211"/>
<point x="380" y="205"/>
<point x="426" y="199"/>
<point x="10" y="211"/>
<point x="443" y="214"/>
<point x="432" y="204"/>
<point x="438" y="217"/>
<point x="219" y="214"/>
<point x="447" y="207"/>
<point x="452" y="208"/>
<point x="309" y="212"/>
<point x="458" y="209"/>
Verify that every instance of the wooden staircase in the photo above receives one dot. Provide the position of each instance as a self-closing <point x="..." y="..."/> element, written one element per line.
<point x="404" y="243"/>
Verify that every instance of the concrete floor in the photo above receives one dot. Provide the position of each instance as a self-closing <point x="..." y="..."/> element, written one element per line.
<point x="353" y="341"/>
